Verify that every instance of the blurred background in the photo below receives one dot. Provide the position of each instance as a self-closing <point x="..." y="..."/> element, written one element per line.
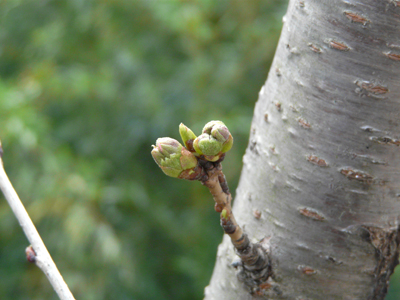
<point x="86" y="87"/>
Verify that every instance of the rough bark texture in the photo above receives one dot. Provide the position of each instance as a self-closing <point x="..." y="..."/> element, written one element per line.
<point x="323" y="163"/>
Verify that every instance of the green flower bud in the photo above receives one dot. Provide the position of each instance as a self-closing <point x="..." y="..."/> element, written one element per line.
<point x="187" y="136"/>
<point x="215" y="140"/>
<point x="220" y="132"/>
<point x="206" y="145"/>
<point x="175" y="160"/>
<point x="168" y="146"/>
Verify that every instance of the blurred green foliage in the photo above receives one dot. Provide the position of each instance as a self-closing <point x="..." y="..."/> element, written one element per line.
<point x="85" y="88"/>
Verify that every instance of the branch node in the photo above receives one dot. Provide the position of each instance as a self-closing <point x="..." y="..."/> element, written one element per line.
<point x="254" y="269"/>
<point x="30" y="254"/>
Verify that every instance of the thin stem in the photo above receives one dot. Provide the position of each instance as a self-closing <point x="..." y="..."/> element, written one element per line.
<point x="42" y="257"/>
<point x="252" y="255"/>
<point x="223" y="202"/>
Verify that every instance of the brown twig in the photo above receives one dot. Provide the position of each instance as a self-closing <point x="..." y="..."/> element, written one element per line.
<point x="253" y="256"/>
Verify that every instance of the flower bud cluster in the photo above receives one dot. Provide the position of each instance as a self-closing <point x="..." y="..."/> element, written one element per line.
<point x="178" y="161"/>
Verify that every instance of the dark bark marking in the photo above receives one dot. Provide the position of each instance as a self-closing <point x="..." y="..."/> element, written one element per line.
<point x="311" y="213"/>
<point x="370" y="87"/>
<point x="315" y="48"/>
<point x="356" y="18"/>
<point x="357" y="175"/>
<point x="368" y="128"/>
<point x="253" y="146"/>
<point x="266" y="117"/>
<point x="253" y="141"/>
<point x="317" y="161"/>
<point x="393" y="56"/>
<point x="386" y="242"/>
<point x="257" y="214"/>
<point x="333" y="260"/>
<point x="306" y="270"/>
<point x="385" y="140"/>
<point x="338" y="45"/>
<point x="303" y="123"/>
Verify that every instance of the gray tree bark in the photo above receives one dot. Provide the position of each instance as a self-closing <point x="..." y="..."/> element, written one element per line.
<point x="321" y="174"/>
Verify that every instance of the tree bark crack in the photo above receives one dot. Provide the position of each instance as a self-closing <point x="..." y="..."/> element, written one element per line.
<point x="386" y="242"/>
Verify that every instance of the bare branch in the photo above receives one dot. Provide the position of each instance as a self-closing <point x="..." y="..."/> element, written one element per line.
<point x="40" y="254"/>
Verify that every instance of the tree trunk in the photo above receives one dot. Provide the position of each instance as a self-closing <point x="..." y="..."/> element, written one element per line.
<point x="321" y="175"/>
